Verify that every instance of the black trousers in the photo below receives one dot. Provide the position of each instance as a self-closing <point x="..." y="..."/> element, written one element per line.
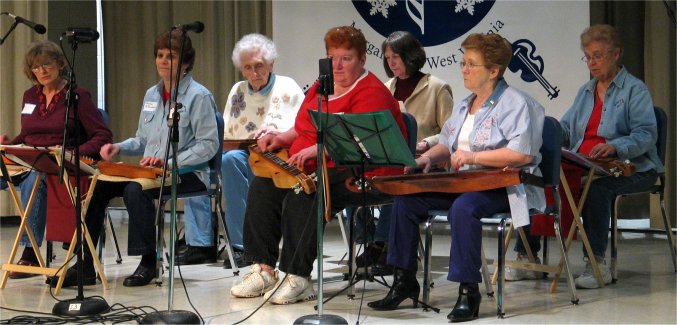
<point x="140" y="207"/>
<point x="274" y="214"/>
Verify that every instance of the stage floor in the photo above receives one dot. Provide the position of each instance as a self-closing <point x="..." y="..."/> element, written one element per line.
<point x="645" y="292"/>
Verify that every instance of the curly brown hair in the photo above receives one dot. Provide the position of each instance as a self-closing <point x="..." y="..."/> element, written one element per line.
<point x="495" y="49"/>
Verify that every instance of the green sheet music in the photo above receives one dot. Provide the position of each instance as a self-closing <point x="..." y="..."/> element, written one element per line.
<point x="374" y="137"/>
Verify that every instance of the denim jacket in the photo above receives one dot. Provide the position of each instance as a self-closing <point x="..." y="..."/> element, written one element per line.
<point x="198" y="136"/>
<point x="628" y="120"/>
<point x="508" y="119"/>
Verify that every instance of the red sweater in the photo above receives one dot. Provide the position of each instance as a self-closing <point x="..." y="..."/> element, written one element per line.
<point x="368" y="95"/>
<point x="48" y="130"/>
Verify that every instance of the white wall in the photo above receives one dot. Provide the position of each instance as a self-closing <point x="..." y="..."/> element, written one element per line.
<point x="552" y="26"/>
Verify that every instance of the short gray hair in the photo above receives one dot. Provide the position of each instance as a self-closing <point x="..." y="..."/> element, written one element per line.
<point x="254" y="43"/>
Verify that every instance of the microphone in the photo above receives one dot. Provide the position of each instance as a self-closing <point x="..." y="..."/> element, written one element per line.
<point x="40" y="29"/>
<point x="326" y="84"/>
<point x="196" y="27"/>
<point x="83" y="35"/>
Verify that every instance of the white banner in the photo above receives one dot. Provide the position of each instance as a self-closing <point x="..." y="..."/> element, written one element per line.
<point x="544" y="34"/>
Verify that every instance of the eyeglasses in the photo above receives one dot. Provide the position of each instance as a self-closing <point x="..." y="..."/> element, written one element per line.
<point x="470" y="65"/>
<point x="44" y="66"/>
<point x="595" y="56"/>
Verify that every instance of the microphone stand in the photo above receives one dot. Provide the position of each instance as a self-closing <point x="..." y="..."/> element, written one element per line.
<point x="80" y="306"/>
<point x="324" y="88"/>
<point x="171" y="316"/>
<point x="11" y="28"/>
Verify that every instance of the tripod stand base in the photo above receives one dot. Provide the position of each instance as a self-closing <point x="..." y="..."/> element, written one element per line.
<point x="320" y="319"/>
<point x="81" y="307"/>
<point x="171" y="317"/>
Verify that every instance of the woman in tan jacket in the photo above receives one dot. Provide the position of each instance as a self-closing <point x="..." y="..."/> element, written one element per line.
<point x="429" y="100"/>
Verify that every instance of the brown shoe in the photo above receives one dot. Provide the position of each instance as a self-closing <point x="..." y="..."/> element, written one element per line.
<point x="21" y="275"/>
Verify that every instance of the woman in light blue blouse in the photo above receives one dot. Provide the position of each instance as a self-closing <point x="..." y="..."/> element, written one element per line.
<point x="496" y="126"/>
<point x="198" y="142"/>
<point x="612" y="116"/>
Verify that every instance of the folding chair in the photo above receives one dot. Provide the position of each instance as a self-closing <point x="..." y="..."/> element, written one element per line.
<point x="214" y="192"/>
<point x="659" y="189"/>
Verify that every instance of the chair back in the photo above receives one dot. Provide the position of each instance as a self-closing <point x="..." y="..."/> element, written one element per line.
<point x="662" y="126"/>
<point x="551" y="151"/>
<point x="215" y="162"/>
<point x="412" y="130"/>
<point x="104" y="116"/>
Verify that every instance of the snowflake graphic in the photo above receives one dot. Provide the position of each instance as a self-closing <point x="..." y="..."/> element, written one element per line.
<point x="381" y="6"/>
<point x="468" y="5"/>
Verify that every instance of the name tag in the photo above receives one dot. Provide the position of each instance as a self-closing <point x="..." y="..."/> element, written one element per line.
<point x="28" y="109"/>
<point x="149" y="106"/>
<point x="517" y="197"/>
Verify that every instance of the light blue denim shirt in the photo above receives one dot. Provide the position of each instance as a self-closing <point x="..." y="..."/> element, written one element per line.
<point x="628" y="121"/>
<point x="198" y="136"/>
<point x="508" y="119"/>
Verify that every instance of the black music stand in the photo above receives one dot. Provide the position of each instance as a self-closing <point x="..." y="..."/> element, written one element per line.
<point x="364" y="141"/>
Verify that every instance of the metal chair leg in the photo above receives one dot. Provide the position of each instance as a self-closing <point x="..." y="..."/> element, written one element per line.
<point x="668" y="231"/>
<point x="500" y="311"/>
<point x="229" y="249"/>
<point x="570" y="279"/>
<point x="426" y="260"/>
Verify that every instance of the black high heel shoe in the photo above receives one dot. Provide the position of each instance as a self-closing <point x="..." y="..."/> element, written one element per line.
<point x="404" y="286"/>
<point x="468" y="304"/>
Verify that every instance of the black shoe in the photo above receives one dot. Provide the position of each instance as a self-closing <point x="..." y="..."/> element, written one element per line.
<point x="71" y="278"/>
<point x="141" y="277"/>
<point x="468" y="304"/>
<point x="404" y="286"/>
<point x="381" y="267"/>
<point x="371" y="253"/>
<point x="238" y="255"/>
<point x="195" y="255"/>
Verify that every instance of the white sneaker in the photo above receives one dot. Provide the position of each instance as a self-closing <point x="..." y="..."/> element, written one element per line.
<point x="255" y="283"/>
<point x="587" y="279"/>
<point x="291" y="290"/>
<point x="514" y="274"/>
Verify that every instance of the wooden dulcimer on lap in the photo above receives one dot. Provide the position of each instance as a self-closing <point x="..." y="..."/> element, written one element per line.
<point x="445" y="182"/>
<point x="128" y="171"/>
<point x="614" y="166"/>
<point x="609" y="166"/>
<point x="273" y="165"/>
<point x="234" y="144"/>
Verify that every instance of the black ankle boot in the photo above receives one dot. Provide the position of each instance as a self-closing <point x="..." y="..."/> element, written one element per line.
<point x="468" y="304"/>
<point x="404" y="286"/>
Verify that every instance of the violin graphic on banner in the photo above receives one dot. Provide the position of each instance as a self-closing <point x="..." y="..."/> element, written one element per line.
<point x="532" y="66"/>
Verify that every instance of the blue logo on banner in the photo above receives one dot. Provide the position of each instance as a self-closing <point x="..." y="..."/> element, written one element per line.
<point x="433" y="22"/>
<point x="530" y="65"/>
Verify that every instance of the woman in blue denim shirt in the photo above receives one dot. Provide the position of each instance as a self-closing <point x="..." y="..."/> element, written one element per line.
<point x="612" y="116"/>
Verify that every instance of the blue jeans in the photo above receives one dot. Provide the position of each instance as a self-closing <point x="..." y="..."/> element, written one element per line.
<point x="464" y="213"/>
<point x="197" y="220"/>
<point x="37" y="217"/>
<point x="236" y="175"/>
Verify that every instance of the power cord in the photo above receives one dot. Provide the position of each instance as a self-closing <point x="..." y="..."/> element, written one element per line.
<point x="118" y="314"/>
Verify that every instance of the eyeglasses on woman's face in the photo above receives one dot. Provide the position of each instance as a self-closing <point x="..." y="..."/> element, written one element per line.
<point x="45" y="66"/>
